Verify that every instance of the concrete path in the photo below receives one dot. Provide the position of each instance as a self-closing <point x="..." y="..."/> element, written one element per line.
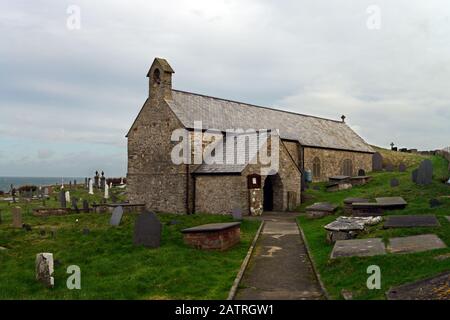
<point x="279" y="268"/>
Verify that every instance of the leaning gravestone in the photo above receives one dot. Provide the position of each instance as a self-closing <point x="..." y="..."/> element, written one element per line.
<point x="44" y="269"/>
<point x="116" y="216"/>
<point x="17" y="217"/>
<point x="395" y="182"/>
<point x="377" y="162"/>
<point x="147" y="230"/>
<point x="425" y="173"/>
<point x="402" y="167"/>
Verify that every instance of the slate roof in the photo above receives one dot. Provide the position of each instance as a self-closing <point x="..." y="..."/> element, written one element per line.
<point x="221" y="114"/>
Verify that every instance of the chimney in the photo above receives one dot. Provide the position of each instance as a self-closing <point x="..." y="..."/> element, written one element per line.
<point x="160" y="79"/>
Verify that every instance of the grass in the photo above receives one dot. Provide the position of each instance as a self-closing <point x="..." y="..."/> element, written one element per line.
<point x="111" y="266"/>
<point x="396" y="269"/>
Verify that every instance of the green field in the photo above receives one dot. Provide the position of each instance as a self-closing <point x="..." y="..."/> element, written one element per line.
<point x="396" y="269"/>
<point x="111" y="266"/>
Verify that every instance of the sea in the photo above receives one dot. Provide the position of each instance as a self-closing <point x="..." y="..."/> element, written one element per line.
<point x="5" y="182"/>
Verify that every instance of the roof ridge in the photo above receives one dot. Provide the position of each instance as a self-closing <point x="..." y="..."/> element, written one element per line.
<point x="257" y="106"/>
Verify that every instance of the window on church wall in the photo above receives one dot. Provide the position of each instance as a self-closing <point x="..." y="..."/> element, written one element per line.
<point x="347" y="169"/>
<point x="316" y="167"/>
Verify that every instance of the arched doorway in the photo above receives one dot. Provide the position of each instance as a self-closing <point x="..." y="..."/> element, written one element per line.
<point x="273" y="194"/>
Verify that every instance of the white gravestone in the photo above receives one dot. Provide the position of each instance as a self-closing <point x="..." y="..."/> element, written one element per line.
<point x="67" y="194"/>
<point x="91" y="186"/>
<point x="106" y="191"/>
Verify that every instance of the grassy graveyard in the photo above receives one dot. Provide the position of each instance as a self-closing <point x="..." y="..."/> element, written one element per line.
<point x="111" y="266"/>
<point x="396" y="269"/>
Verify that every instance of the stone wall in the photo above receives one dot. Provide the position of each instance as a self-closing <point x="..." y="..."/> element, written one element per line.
<point x="331" y="161"/>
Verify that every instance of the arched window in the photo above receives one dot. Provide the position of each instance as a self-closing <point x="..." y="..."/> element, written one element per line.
<point x="157" y="76"/>
<point x="347" y="167"/>
<point x="316" y="167"/>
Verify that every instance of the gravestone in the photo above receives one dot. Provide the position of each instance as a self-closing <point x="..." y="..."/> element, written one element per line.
<point x="425" y="173"/>
<point x="116" y="216"/>
<point x="75" y="205"/>
<point x="85" y="206"/>
<point x="46" y="191"/>
<point x="44" y="269"/>
<point x="358" y="248"/>
<point x="435" y="203"/>
<point x="320" y="209"/>
<point x="389" y="167"/>
<point x="423" y="242"/>
<point x="402" y="167"/>
<point x="377" y="162"/>
<point x="147" y="230"/>
<point x="414" y="175"/>
<point x="411" y="221"/>
<point x="17" y="217"/>
<point x="67" y="196"/>
<point x="62" y="199"/>
<point x="361" y="173"/>
<point x="394" y="182"/>
<point x="237" y="214"/>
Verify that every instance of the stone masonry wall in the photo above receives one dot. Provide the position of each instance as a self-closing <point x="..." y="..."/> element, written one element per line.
<point x="331" y="161"/>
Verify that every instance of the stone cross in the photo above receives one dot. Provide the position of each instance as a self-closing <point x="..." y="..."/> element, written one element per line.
<point x="44" y="269"/>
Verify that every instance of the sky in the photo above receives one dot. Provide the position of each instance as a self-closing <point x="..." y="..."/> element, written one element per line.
<point x="73" y="73"/>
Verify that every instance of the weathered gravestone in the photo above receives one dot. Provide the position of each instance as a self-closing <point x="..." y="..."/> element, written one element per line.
<point x="394" y="182"/>
<point x="75" y="205"/>
<point x="435" y="203"/>
<point x="361" y="173"/>
<point x="17" y="217"/>
<point x="44" y="269"/>
<point x="85" y="206"/>
<point x="425" y="173"/>
<point x="377" y="162"/>
<point x="62" y="199"/>
<point x="147" y="230"/>
<point x="389" y="167"/>
<point x="116" y="216"/>
<point x="402" y="167"/>
<point x="237" y="214"/>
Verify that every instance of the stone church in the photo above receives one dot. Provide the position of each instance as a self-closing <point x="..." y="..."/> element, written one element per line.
<point x="321" y="147"/>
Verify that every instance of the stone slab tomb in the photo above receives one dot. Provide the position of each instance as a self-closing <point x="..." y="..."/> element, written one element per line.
<point x="349" y="201"/>
<point x="339" y="179"/>
<point x="213" y="236"/>
<point x="366" y="209"/>
<point x="358" y="248"/>
<point x="411" y="244"/>
<point x="391" y="203"/>
<point x="17" y="217"/>
<point x="410" y="221"/>
<point x="336" y="186"/>
<point x="320" y="209"/>
<point x="44" y="269"/>
<point x="344" y="228"/>
<point x="116" y="216"/>
<point x="147" y="230"/>
<point x="433" y="288"/>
